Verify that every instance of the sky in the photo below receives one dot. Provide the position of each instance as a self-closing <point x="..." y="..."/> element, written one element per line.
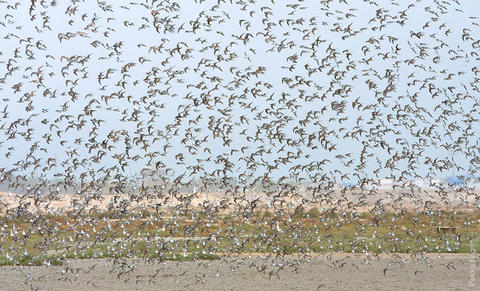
<point x="125" y="35"/>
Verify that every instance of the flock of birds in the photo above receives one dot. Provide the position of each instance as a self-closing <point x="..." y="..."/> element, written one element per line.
<point x="285" y="104"/>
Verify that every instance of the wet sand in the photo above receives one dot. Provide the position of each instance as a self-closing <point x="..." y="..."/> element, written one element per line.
<point x="337" y="272"/>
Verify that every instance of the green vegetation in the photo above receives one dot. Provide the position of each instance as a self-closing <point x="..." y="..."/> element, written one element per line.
<point x="192" y="236"/>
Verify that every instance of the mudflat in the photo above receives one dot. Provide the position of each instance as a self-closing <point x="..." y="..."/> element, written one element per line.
<point x="254" y="272"/>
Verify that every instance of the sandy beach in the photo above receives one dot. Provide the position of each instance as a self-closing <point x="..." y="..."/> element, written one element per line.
<point x="349" y="201"/>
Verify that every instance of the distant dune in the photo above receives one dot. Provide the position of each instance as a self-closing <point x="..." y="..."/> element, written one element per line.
<point x="389" y="200"/>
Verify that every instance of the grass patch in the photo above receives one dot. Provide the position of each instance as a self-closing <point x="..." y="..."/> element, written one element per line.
<point x="52" y="239"/>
